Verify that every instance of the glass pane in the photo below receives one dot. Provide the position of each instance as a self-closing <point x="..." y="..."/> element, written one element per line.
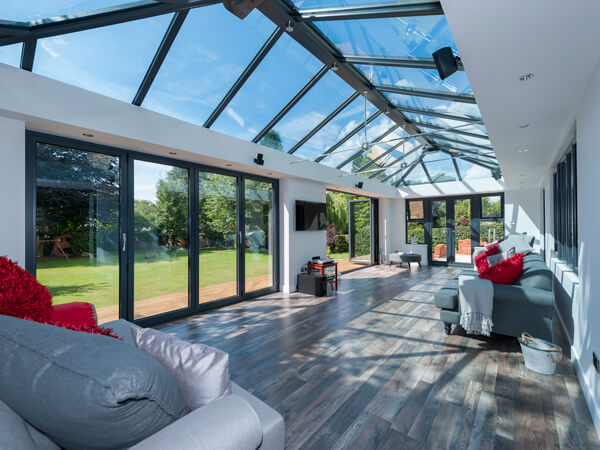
<point x="378" y="150"/>
<point x="161" y="210"/>
<point x="11" y="54"/>
<point x="418" y="36"/>
<point x="466" y="140"/>
<point x="317" y="104"/>
<point x="462" y="231"/>
<point x="334" y="131"/>
<point x="199" y="69"/>
<point x="217" y="240"/>
<point x="25" y="11"/>
<point x="337" y="229"/>
<point x="110" y="60"/>
<point x="353" y="145"/>
<point x="77" y="227"/>
<point x="470" y="171"/>
<point x="438" y="231"/>
<point x="490" y="231"/>
<point x="259" y="235"/>
<point x="440" y="167"/>
<point x="360" y="236"/>
<point x="313" y="4"/>
<point x="491" y="206"/>
<point x="458" y="83"/>
<point x="415" y="209"/>
<point x="282" y="73"/>
<point x="416" y="233"/>
<point x="416" y="176"/>
<point x="434" y="104"/>
<point x="423" y="119"/>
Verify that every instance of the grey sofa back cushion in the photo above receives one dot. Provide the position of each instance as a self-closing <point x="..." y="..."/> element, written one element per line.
<point x="84" y="390"/>
<point x="535" y="273"/>
<point x="16" y="434"/>
<point x="519" y="241"/>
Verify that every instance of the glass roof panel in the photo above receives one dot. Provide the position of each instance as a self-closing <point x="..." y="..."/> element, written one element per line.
<point x="421" y="119"/>
<point x="314" y="4"/>
<point x="458" y="83"/>
<point x="441" y="135"/>
<point x="376" y="128"/>
<point x="434" y="104"/>
<point x="335" y="130"/>
<point x="11" y="54"/>
<point x="470" y="171"/>
<point x="283" y="72"/>
<point x="440" y="167"/>
<point x="28" y="10"/>
<point x="323" y="98"/>
<point x="416" y="176"/>
<point x="199" y="69"/>
<point x="110" y="60"/>
<point x="417" y="36"/>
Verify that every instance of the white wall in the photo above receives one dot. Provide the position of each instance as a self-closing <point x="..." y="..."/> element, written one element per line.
<point x="12" y="189"/>
<point x="523" y="213"/>
<point x="298" y="247"/>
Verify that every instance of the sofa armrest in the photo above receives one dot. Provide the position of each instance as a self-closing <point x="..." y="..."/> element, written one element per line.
<point x="227" y="423"/>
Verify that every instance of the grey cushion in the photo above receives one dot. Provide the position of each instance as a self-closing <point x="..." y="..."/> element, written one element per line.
<point x="519" y="241"/>
<point x="16" y="434"/>
<point x="84" y="390"/>
<point x="201" y="371"/>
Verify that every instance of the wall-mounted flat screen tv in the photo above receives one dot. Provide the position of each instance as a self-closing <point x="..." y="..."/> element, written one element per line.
<point x="310" y="216"/>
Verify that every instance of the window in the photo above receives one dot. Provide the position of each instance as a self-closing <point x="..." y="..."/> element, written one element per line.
<point x="491" y="207"/>
<point x="565" y="208"/>
<point x="415" y="226"/>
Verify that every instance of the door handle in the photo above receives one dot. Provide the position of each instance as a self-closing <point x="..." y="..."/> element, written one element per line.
<point x="124" y="242"/>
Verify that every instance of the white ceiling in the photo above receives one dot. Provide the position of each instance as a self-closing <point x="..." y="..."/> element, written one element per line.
<point x="558" y="42"/>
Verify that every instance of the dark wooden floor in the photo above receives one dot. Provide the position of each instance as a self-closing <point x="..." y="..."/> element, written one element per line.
<point x="372" y="368"/>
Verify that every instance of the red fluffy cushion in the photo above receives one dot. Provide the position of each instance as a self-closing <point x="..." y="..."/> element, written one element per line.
<point x="481" y="260"/>
<point x="75" y="313"/>
<point x="495" y="244"/>
<point x="20" y="293"/>
<point x="505" y="272"/>
<point x="92" y="329"/>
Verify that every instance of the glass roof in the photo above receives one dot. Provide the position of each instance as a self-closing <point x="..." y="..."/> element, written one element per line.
<point x="109" y="60"/>
<point x="241" y="78"/>
<point x="11" y="54"/>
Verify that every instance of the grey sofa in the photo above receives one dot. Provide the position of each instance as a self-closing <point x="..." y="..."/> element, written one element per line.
<point x="239" y="421"/>
<point x="526" y="305"/>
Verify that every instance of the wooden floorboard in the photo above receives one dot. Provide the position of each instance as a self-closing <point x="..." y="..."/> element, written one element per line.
<point x="371" y="367"/>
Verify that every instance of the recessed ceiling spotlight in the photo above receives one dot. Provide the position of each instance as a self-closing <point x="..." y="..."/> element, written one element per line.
<point x="524" y="125"/>
<point x="526" y="77"/>
<point x="89" y="135"/>
<point x="334" y="67"/>
<point x="289" y="27"/>
<point x="172" y="153"/>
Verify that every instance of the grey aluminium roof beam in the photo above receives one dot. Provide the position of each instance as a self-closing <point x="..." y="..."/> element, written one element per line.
<point x="427" y="112"/>
<point x="444" y="139"/>
<point x="160" y="56"/>
<point x="426" y="172"/>
<point x="456" y="169"/>
<point x="394" y="162"/>
<point x="410" y="169"/>
<point x="100" y="18"/>
<point x="264" y="50"/>
<point x="348" y="136"/>
<point x="9" y="28"/>
<point x="429" y="93"/>
<point x="413" y="63"/>
<point x="282" y="13"/>
<point x="28" y="54"/>
<point x="383" y="155"/>
<point x="374" y="141"/>
<point x="371" y="12"/>
<point x="307" y="87"/>
<point x="324" y="122"/>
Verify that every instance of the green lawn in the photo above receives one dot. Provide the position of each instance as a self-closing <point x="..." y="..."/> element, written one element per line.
<point x="85" y="279"/>
<point x="338" y="256"/>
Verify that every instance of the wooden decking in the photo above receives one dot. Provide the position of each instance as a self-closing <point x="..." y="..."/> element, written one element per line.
<point x="372" y="368"/>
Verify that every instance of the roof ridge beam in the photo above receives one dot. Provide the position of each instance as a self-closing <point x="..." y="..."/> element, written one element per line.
<point x="413" y="63"/>
<point x="370" y="12"/>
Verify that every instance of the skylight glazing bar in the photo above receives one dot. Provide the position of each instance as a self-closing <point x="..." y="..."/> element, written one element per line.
<point x="454" y="131"/>
<point x="409" y="170"/>
<point x="443" y="138"/>
<point x="324" y="122"/>
<point x="478" y="162"/>
<point x="341" y="142"/>
<point x="411" y="63"/>
<point x="394" y="162"/>
<point x="28" y="54"/>
<point x="160" y="56"/>
<point x="463" y="98"/>
<point x="370" y="12"/>
<point x="307" y="87"/>
<point x="426" y="172"/>
<point x="268" y="45"/>
<point x="374" y="141"/>
<point x="456" y="169"/>
<point x="101" y="18"/>
<point x="427" y="112"/>
<point x="9" y="28"/>
<point x="383" y="155"/>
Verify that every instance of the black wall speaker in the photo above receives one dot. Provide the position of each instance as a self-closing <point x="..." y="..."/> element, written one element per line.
<point x="446" y="62"/>
<point x="259" y="159"/>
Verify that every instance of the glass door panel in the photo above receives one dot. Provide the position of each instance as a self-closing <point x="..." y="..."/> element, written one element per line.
<point x="259" y="234"/>
<point x="160" y="221"/>
<point x="490" y="231"/>
<point x="462" y="231"/>
<point x="439" y="231"/>
<point x="360" y="231"/>
<point x="77" y="226"/>
<point x="217" y="240"/>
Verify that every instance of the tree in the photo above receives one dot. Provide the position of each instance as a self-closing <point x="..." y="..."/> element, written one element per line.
<point x="172" y="206"/>
<point x="272" y="139"/>
<point x="337" y="210"/>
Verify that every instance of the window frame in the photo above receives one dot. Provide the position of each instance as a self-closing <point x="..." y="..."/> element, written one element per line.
<point x="566" y="239"/>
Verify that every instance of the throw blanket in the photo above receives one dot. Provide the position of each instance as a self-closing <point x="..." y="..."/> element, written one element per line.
<point x="476" y="298"/>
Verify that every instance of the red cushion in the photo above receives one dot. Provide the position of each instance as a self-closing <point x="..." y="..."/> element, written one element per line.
<point x="20" y="293"/>
<point x="92" y="329"/>
<point x="481" y="260"/>
<point x="495" y="244"/>
<point x="74" y="313"/>
<point x="505" y="272"/>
